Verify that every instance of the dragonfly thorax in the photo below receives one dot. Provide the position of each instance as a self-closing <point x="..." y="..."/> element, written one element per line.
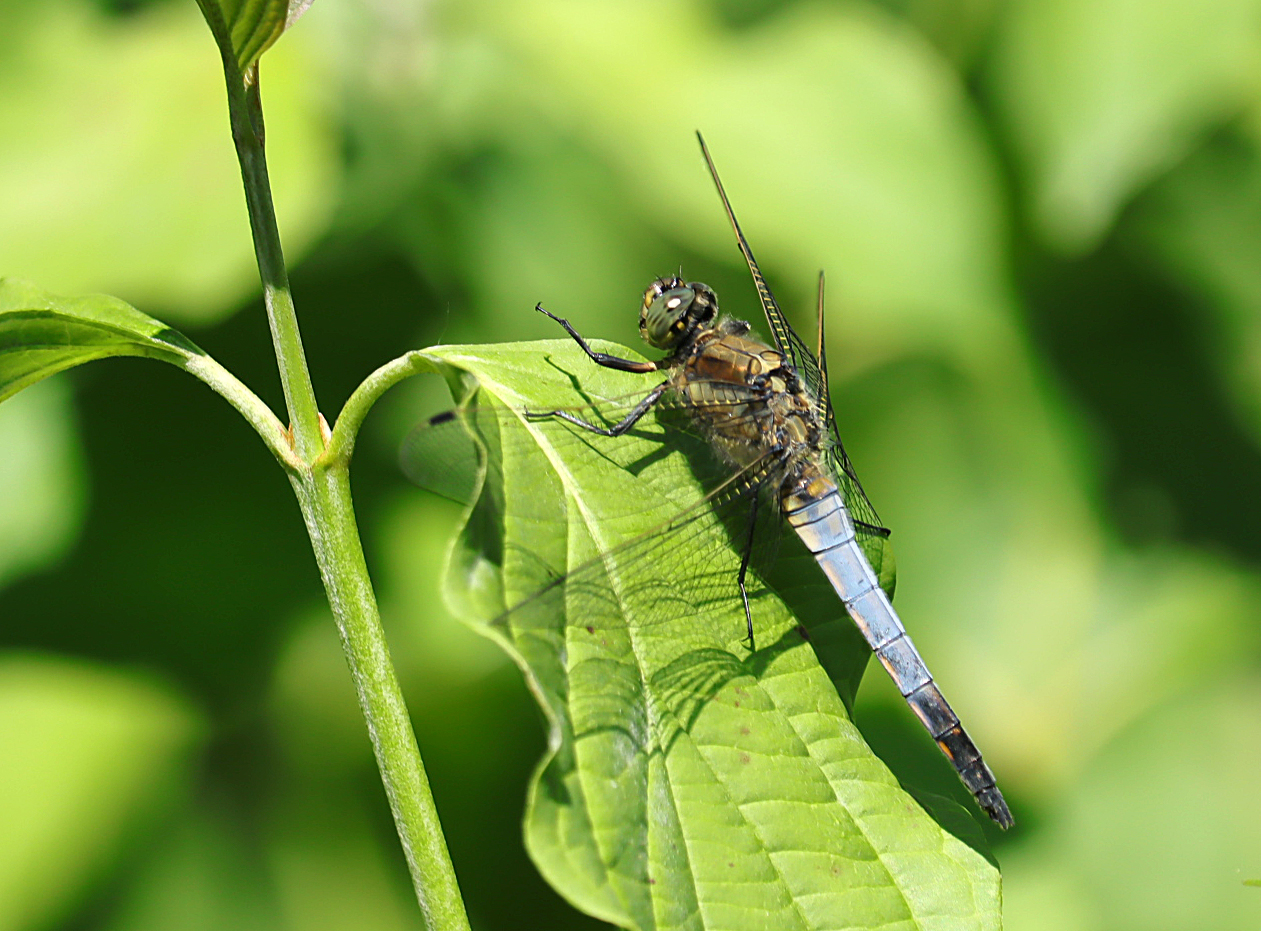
<point x="675" y="311"/>
<point x="748" y="401"/>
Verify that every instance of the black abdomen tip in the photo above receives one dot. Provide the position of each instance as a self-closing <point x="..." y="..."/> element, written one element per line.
<point x="993" y="804"/>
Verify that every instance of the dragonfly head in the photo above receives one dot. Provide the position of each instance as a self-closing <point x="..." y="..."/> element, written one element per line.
<point x="673" y="310"/>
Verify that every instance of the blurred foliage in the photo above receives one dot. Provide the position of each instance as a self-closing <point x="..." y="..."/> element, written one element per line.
<point x="119" y="179"/>
<point x="1040" y="221"/>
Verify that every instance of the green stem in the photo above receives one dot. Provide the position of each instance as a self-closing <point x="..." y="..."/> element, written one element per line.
<point x="250" y="406"/>
<point x="342" y="442"/>
<point x="330" y="520"/>
<point x="323" y="493"/>
<point x="246" y="111"/>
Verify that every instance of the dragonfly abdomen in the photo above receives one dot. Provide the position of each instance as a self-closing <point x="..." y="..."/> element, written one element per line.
<point x="822" y="521"/>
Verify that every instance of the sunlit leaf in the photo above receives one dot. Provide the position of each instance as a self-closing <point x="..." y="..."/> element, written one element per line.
<point x="41" y="334"/>
<point x="689" y="783"/>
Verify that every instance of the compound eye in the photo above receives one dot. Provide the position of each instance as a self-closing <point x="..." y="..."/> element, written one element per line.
<point x="673" y="304"/>
<point x="675" y="298"/>
<point x="663" y="311"/>
<point x="659" y="287"/>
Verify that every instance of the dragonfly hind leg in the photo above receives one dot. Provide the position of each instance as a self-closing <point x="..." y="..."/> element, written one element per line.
<point x="744" y="568"/>
<point x="618" y="428"/>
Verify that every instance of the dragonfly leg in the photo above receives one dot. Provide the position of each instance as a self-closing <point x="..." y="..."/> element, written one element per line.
<point x="744" y="568"/>
<point x="599" y="358"/>
<point x="622" y="425"/>
<point x="873" y="528"/>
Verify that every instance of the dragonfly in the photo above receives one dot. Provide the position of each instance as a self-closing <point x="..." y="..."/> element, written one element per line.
<point x="765" y="414"/>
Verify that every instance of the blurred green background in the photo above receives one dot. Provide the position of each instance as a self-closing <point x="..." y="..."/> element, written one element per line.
<point x="1041" y="223"/>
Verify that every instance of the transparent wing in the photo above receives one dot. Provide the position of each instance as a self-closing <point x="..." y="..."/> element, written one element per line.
<point x="873" y="536"/>
<point x="816" y="378"/>
<point x="442" y="454"/>
<point x="780" y="330"/>
<point x="576" y="534"/>
<point x="813" y="371"/>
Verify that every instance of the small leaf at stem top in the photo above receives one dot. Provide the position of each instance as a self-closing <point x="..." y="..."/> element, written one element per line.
<point x="247" y="28"/>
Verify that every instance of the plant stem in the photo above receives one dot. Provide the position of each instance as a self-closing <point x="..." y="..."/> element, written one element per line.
<point x="245" y="108"/>
<point x="331" y="522"/>
<point x="323" y="493"/>
<point x="249" y="406"/>
<point x="342" y="442"/>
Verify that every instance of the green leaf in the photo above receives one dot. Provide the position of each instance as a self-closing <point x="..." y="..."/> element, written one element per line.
<point x="245" y="29"/>
<point x="689" y="783"/>
<point x="41" y="334"/>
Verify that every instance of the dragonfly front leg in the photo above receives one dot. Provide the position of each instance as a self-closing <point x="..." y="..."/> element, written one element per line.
<point x="599" y="358"/>
<point x="618" y="428"/>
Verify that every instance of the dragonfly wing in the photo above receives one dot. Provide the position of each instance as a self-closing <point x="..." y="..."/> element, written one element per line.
<point x="780" y="329"/>
<point x="574" y="529"/>
<point x="669" y="732"/>
<point x="872" y="536"/>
